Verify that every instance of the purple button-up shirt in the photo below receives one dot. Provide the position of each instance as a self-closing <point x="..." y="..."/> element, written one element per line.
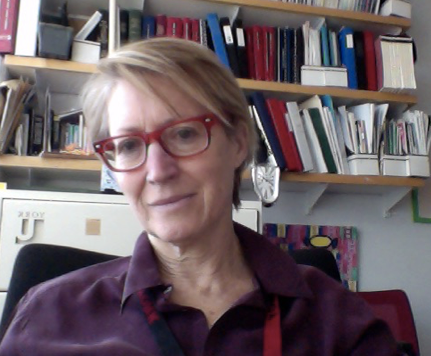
<point x="95" y="311"/>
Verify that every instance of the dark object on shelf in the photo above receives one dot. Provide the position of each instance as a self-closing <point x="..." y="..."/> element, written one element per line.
<point x="55" y="41"/>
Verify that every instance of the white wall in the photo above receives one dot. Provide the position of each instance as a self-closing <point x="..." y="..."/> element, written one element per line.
<point x="395" y="253"/>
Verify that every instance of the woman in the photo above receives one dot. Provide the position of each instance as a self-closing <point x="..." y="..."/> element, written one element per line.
<point x="173" y="123"/>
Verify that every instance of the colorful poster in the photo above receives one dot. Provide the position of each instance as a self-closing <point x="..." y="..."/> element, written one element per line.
<point x="342" y="241"/>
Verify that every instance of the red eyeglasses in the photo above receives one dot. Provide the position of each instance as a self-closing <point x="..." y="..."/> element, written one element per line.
<point x="179" y="139"/>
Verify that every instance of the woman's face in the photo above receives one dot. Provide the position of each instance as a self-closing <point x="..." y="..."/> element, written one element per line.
<point x="176" y="200"/>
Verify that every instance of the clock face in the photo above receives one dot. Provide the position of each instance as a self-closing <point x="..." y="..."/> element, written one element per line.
<point x="266" y="182"/>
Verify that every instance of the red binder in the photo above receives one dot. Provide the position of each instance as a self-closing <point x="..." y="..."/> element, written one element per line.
<point x="174" y="27"/>
<point x="269" y="49"/>
<point x="8" y="23"/>
<point x="160" y="25"/>
<point x="195" y="31"/>
<point x="278" y="111"/>
<point x="370" y="60"/>
<point x="258" y="51"/>
<point x="187" y="28"/>
<point x="250" y="52"/>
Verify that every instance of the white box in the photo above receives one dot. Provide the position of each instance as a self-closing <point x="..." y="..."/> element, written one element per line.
<point x="391" y="165"/>
<point x="363" y="164"/>
<point x="398" y="8"/>
<point x="324" y="76"/>
<point x="85" y="51"/>
<point x="418" y="166"/>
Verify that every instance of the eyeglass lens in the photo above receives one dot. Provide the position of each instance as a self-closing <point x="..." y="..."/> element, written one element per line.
<point x="180" y="140"/>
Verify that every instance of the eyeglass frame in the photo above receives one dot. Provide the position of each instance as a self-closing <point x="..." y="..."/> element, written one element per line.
<point x="208" y="120"/>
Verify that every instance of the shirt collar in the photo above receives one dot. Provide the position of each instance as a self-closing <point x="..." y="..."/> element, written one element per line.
<point x="276" y="272"/>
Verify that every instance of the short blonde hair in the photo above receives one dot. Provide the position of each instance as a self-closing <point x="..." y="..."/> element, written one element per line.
<point x="192" y="68"/>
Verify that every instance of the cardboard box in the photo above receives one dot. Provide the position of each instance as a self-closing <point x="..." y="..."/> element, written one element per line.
<point x="85" y="51"/>
<point x="394" y="166"/>
<point x="418" y="166"/>
<point x="364" y="164"/>
<point x="398" y="8"/>
<point x="324" y="76"/>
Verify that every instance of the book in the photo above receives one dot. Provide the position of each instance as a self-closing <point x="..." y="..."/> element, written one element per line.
<point x="196" y="37"/>
<point x="135" y="25"/>
<point x="324" y="42"/>
<point x="8" y="25"/>
<point x="124" y="26"/>
<point x="341" y="241"/>
<point x="89" y="26"/>
<point x="27" y="28"/>
<point x="347" y="51"/>
<point x="217" y="38"/>
<point x="297" y="55"/>
<point x="258" y="100"/>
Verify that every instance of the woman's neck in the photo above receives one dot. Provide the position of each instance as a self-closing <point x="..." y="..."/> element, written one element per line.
<point x="202" y="261"/>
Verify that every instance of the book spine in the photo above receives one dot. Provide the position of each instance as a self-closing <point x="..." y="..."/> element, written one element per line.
<point x="370" y="61"/>
<point x="8" y="24"/>
<point x="161" y="25"/>
<point x="217" y="38"/>
<point x="187" y="28"/>
<point x="135" y="25"/>
<point x="26" y="34"/>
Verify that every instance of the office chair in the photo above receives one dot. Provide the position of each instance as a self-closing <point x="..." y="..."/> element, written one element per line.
<point x="393" y="307"/>
<point x="36" y="263"/>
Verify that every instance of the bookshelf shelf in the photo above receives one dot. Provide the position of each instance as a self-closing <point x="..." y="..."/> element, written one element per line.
<point x="65" y="164"/>
<point x="335" y="14"/>
<point x="16" y="62"/>
<point x="341" y="93"/>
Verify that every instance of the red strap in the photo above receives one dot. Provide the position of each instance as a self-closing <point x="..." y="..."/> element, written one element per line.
<point x="272" y="331"/>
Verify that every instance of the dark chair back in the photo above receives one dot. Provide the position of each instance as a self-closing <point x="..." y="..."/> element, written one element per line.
<point x="36" y="263"/>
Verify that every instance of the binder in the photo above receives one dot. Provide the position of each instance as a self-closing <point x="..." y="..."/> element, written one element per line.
<point x="230" y="45"/>
<point x="196" y="37"/>
<point x="323" y="139"/>
<point x="217" y="38"/>
<point x="269" y="53"/>
<point x="324" y="42"/>
<point x="258" y="101"/>
<point x="258" y="53"/>
<point x="347" y="51"/>
<point x="249" y="38"/>
<point x="26" y="33"/>
<point x="300" y="136"/>
<point x="161" y="25"/>
<point x="370" y="60"/>
<point x="359" y="43"/>
<point x="148" y="27"/>
<point x="174" y="27"/>
<point x="277" y="111"/>
<point x="187" y="28"/>
<point x="241" y="48"/>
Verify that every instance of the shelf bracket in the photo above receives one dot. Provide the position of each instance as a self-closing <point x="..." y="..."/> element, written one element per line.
<point x="312" y="196"/>
<point x="393" y="198"/>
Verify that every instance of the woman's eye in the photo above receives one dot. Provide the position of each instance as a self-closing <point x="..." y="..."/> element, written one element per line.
<point x="186" y="133"/>
<point x="128" y="146"/>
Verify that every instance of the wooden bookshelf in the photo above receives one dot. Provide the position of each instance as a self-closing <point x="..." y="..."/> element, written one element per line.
<point x="353" y="16"/>
<point x="76" y="164"/>
<point x="17" y="62"/>
<point x="342" y="93"/>
<point x="55" y="164"/>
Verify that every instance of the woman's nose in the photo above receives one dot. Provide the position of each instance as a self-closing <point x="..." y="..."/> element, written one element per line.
<point x="159" y="165"/>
